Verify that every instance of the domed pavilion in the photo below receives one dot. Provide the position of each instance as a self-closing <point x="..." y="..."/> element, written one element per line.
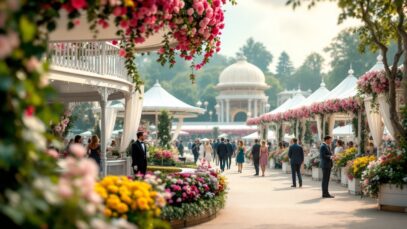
<point x="241" y="92"/>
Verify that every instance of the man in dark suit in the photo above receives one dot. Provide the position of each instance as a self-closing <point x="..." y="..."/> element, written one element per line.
<point x="230" y="153"/>
<point x="296" y="155"/>
<point x="256" y="156"/>
<point x="222" y="153"/>
<point x="139" y="155"/>
<point x="195" y="150"/>
<point x="326" y="164"/>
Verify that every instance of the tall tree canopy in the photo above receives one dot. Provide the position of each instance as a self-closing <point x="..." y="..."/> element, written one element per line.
<point x="344" y="53"/>
<point x="309" y="74"/>
<point x="284" y="69"/>
<point x="257" y="54"/>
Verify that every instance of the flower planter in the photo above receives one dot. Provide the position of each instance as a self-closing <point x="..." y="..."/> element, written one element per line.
<point x="344" y="177"/>
<point x="392" y="198"/>
<point x="272" y="163"/>
<point x="194" y="220"/>
<point x="316" y="173"/>
<point x="354" y="186"/>
<point x="286" y="167"/>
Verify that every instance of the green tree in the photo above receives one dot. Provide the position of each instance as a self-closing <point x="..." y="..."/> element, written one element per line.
<point x="309" y="74"/>
<point x="257" y="54"/>
<point x="284" y="69"/>
<point x="344" y="53"/>
<point x="164" y="129"/>
<point x="383" y="22"/>
<point x="84" y="117"/>
<point x="275" y="87"/>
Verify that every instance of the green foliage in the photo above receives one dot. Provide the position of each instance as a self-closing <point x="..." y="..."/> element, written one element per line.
<point x="309" y="74"/>
<point x="164" y="130"/>
<point x="275" y="87"/>
<point x="308" y="134"/>
<point x="164" y="169"/>
<point x="257" y="54"/>
<point x="85" y="117"/>
<point x="284" y="69"/>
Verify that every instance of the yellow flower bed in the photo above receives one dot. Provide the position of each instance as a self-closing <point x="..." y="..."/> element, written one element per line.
<point x="357" y="166"/>
<point x="123" y="196"/>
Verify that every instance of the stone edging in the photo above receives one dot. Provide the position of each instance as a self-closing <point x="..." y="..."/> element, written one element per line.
<point x="195" y="220"/>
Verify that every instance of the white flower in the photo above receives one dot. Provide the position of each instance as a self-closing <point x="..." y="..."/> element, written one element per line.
<point x="34" y="124"/>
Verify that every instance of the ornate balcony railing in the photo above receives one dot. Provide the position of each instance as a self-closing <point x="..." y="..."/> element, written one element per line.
<point x="96" y="57"/>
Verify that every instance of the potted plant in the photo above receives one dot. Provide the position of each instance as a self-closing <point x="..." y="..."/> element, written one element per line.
<point x="286" y="167"/>
<point x="341" y="160"/>
<point x="316" y="170"/>
<point x="355" y="169"/>
<point x="386" y="180"/>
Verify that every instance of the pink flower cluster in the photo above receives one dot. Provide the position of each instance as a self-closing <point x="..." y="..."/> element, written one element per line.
<point x="326" y="107"/>
<point x="195" y="24"/>
<point x="164" y="154"/>
<point x="60" y="127"/>
<point x="78" y="179"/>
<point x="376" y="82"/>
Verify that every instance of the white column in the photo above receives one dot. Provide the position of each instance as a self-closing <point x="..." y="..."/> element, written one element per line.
<point x="249" y="106"/>
<point x="103" y="101"/>
<point x="221" y="110"/>
<point x="227" y="110"/>
<point x="255" y="108"/>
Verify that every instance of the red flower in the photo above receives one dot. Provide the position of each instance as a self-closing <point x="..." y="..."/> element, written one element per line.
<point x="78" y="4"/>
<point x="29" y="111"/>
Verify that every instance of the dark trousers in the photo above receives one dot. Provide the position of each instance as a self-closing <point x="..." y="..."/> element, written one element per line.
<point x="222" y="163"/>
<point x="196" y="156"/>
<point x="296" y="170"/>
<point x="256" y="162"/>
<point x="141" y="169"/>
<point x="229" y="161"/>
<point x="326" y="174"/>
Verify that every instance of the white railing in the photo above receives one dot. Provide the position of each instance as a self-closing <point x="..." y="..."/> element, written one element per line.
<point x="97" y="57"/>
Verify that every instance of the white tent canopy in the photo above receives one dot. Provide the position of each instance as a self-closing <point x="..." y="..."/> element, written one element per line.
<point x="346" y="89"/>
<point x="342" y="131"/>
<point x="255" y="135"/>
<point x="321" y="92"/>
<point x="157" y="99"/>
<point x="295" y="101"/>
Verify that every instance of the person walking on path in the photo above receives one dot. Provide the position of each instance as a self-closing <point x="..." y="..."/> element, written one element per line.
<point x="93" y="149"/>
<point x="195" y="150"/>
<point x="230" y="153"/>
<point x="296" y="155"/>
<point x="326" y="165"/>
<point x="181" y="149"/>
<point x="264" y="157"/>
<point x="139" y="155"/>
<point x="215" y="151"/>
<point x="208" y="152"/>
<point x="256" y="156"/>
<point x="240" y="156"/>
<point x="223" y="153"/>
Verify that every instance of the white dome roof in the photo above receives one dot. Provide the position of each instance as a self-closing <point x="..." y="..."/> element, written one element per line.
<point x="242" y="73"/>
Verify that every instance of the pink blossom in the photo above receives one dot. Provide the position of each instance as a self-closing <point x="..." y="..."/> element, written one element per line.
<point x="53" y="153"/>
<point x="122" y="52"/>
<point x="78" y="150"/>
<point x="78" y="4"/>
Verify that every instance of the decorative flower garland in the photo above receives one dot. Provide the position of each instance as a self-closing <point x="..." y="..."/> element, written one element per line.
<point x="376" y="82"/>
<point x="326" y="107"/>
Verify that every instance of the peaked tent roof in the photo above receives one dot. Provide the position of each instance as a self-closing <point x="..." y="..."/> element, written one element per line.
<point x="295" y="101"/>
<point x="321" y="92"/>
<point x="347" y="88"/>
<point x="157" y="99"/>
<point x="283" y="107"/>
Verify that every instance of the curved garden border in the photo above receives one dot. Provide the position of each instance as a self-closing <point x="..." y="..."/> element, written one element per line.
<point x="194" y="220"/>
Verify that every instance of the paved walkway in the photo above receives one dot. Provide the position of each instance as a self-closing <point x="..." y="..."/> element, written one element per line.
<point x="270" y="202"/>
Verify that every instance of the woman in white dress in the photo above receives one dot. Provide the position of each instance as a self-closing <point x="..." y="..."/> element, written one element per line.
<point x="201" y="150"/>
<point x="208" y="152"/>
<point x="339" y="147"/>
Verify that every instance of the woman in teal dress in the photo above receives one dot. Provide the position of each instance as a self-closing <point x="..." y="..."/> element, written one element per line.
<point x="240" y="156"/>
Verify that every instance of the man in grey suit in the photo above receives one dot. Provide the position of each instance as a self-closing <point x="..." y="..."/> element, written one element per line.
<point x="326" y="164"/>
<point x="296" y="155"/>
<point x="256" y="156"/>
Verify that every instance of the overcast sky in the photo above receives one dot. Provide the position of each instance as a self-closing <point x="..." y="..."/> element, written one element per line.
<point x="298" y="32"/>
